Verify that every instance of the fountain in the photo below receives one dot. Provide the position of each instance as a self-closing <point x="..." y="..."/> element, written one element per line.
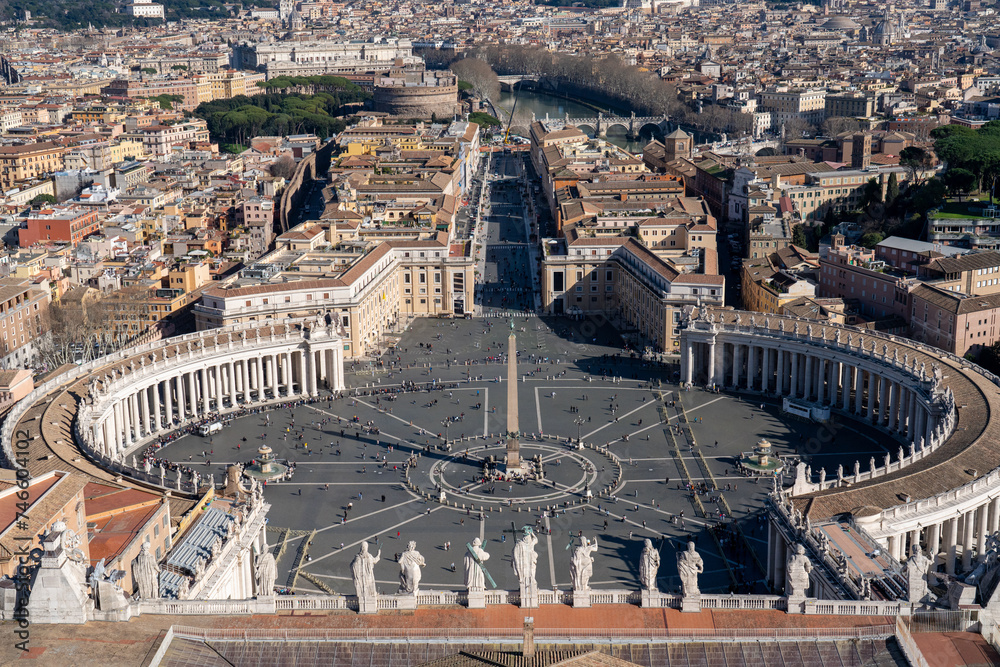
<point x="761" y="461"/>
<point x="265" y="468"/>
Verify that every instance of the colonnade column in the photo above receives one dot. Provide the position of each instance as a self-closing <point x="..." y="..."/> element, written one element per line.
<point x="981" y="526"/>
<point x="181" y="413"/>
<point x="206" y="395"/>
<point x="310" y="378"/>
<point x="157" y="424"/>
<point x="133" y="416"/>
<point x="904" y="407"/>
<point x="911" y="416"/>
<point x="218" y="386"/>
<point x="933" y="542"/>
<point x="192" y="395"/>
<point x="872" y="393"/>
<point x="808" y="388"/>
<point x="688" y="361"/>
<point x="168" y="401"/>
<point x="779" y="374"/>
<point x="711" y="362"/>
<point x="994" y="520"/>
<point x="794" y="386"/>
<point x="821" y="372"/>
<point x="272" y="362"/>
<point x="736" y="364"/>
<point x="845" y="381"/>
<point x="883" y="400"/>
<point x="859" y="390"/>
<point x="968" y="531"/>
<point x="950" y="544"/>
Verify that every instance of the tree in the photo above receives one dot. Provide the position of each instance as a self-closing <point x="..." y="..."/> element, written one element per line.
<point x="796" y="128"/>
<point x="959" y="181"/>
<point x="148" y="70"/>
<point x="484" y="120"/>
<point x="891" y="189"/>
<point x="916" y="160"/>
<point x="872" y="194"/>
<point x="871" y="239"/>
<point x="799" y="237"/>
<point x="39" y="200"/>
<point x="929" y="196"/>
<point x="484" y="80"/>
<point x="835" y="125"/>
<point x="283" y="167"/>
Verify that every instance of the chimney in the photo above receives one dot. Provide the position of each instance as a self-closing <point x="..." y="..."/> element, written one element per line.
<point x="528" y="649"/>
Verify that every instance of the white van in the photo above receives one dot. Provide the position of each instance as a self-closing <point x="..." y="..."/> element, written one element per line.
<point x="210" y="429"/>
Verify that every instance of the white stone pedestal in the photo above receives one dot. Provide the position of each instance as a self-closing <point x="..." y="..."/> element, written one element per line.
<point x="407" y="601"/>
<point x="796" y="605"/>
<point x="367" y="605"/>
<point x="691" y="603"/>
<point x="477" y="600"/>
<point x="529" y="598"/>
<point x="581" y="599"/>
<point x="651" y="598"/>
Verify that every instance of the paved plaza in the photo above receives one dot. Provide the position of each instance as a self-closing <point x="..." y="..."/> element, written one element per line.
<point x="348" y="484"/>
<point x="651" y="445"/>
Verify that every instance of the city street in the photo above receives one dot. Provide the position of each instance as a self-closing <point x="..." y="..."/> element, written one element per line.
<point x="506" y="270"/>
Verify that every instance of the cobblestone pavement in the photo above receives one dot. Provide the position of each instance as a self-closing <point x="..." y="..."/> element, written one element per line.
<point x="348" y="484"/>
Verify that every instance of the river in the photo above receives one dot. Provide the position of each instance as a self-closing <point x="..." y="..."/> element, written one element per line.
<point x="529" y="101"/>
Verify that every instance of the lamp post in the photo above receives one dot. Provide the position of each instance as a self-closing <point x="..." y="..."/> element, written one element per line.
<point x="447" y="426"/>
<point x="579" y="421"/>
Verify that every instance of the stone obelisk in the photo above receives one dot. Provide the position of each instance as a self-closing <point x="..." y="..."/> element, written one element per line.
<point x="513" y="435"/>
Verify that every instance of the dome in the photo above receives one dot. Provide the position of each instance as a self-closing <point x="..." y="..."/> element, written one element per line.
<point x="844" y="23"/>
<point x="883" y="28"/>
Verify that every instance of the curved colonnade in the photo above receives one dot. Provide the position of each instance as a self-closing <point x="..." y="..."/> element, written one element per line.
<point x="125" y="400"/>
<point x="938" y="489"/>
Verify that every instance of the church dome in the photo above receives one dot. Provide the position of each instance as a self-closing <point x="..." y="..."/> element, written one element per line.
<point x="840" y="23"/>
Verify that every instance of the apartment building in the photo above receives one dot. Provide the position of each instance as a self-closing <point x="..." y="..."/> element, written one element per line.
<point x="958" y="323"/>
<point x="840" y="191"/>
<point x="159" y="140"/>
<point x="60" y="224"/>
<point x="785" y="103"/>
<point x="854" y="274"/>
<point x="584" y="273"/>
<point x="851" y="105"/>
<point x="28" y="162"/>
<point x="972" y="274"/>
<point x="23" y="313"/>
<point x="773" y="281"/>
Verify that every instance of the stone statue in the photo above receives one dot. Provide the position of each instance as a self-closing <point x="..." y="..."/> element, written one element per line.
<point x="146" y="573"/>
<point x="475" y="578"/>
<point x="797" y="569"/>
<point x="147" y="466"/>
<point x="737" y="319"/>
<point x="409" y="569"/>
<point x="689" y="566"/>
<point x="267" y="571"/>
<point x="582" y="566"/>
<point x="363" y="571"/>
<point x="916" y="575"/>
<point x="524" y="560"/>
<point x="649" y="564"/>
<point x="836" y="337"/>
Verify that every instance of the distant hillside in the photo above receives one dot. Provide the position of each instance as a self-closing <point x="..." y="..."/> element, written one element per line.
<point x="75" y="14"/>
